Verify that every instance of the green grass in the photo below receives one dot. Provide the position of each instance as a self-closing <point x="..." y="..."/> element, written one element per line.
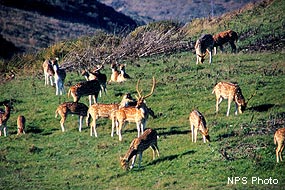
<point x="46" y="158"/>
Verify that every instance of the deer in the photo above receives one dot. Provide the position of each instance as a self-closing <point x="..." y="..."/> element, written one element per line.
<point x="21" y="122"/>
<point x="48" y="72"/>
<point x="59" y="77"/>
<point x="198" y="123"/>
<point x="204" y="45"/>
<point x="279" y="140"/>
<point x="76" y="108"/>
<point x="115" y="73"/>
<point x="85" y="88"/>
<point x="138" y="146"/>
<point x="232" y="92"/>
<point x="106" y="111"/>
<point x="4" y="117"/>
<point x="224" y="37"/>
<point x="123" y="76"/>
<point x="138" y="114"/>
<point x="96" y="75"/>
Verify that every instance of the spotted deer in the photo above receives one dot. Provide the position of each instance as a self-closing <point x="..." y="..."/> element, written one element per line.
<point x="21" y="122"/>
<point x="138" y="145"/>
<point x="67" y="108"/>
<point x="232" y="92"/>
<point x="138" y="114"/>
<point x="59" y="77"/>
<point x="198" y="123"/>
<point x="204" y="45"/>
<point x="85" y="88"/>
<point x="4" y="117"/>
<point x="279" y="140"/>
<point x="48" y="72"/>
<point x="224" y="37"/>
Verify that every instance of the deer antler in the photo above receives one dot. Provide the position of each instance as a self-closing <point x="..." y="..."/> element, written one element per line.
<point x="98" y="68"/>
<point x="140" y="91"/>
<point x="251" y="96"/>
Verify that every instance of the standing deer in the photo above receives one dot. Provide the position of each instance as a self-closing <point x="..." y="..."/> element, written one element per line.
<point x="48" y="72"/>
<point x="224" y="37"/>
<point x="71" y="108"/>
<point x="97" y="75"/>
<point x="59" y="77"/>
<point x="279" y="140"/>
<point x="198" y="123"/>
<point x="21" y="122"/>
<point x="204" y="45"/>
<point x="4" y="117"/>
<point x="138" y="145"/>
<point x="85" y="88"/>
<point x="138" y="114"/>
<point x="232" y="92"/>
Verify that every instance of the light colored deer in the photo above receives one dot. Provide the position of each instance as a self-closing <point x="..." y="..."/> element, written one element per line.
<point x="48" y="72"/>
<point x="59" y="77"/>
<point x="97" y="75"/>
<point x="123" y="76"/>
<point x="138" y="114"/>
<point x="115" y="73"/>
<point x="71" y="108"/>
<point x="279" y="140"/>
<point x="198" y="123"/>
<point x="138" y="145"/>
<point x="4" y="117"/>
<point x="21" y="122"/>
<point x="204" y="45"/>
<point x="232" y="92"/>
<point x="85" y="88"/>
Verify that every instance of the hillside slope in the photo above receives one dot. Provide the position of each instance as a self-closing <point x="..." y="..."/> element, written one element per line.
<point x="33" y="24"/>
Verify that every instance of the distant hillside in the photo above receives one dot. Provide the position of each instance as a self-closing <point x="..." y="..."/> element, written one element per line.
<point x="181" y="10"/>
<point x="33" y="24"/>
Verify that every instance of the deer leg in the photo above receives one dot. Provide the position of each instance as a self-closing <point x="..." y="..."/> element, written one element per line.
<point x="192" y="131"/>
<point x="138" y="128"/>
<point x="237" y="109"/>
<point x="195" y="135"/>
<point x="218" y="102"/>
<point x="63" y="118"/>
<point x="233" y="46"/>
<point x="5" y="130"/>
<point x="94" y="127"/>
<point x="51" y="81"/>
<point x="280" y="152"/>
<point x="222" y="48"/>
<point x="277" y="153"/>
<point x="197" y="60"/>
<point x="80" y="120"/>
<point x="133" y="161"/>
<point x="210" y="55"/>
<point x="229" y="106"/>
<point x="140" y="159"/>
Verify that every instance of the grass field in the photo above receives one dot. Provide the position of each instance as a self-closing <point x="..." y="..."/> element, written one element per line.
<point x="241" y="146"/>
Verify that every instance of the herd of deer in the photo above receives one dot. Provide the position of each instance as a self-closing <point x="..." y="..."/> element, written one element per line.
<point x="131" y="110"/>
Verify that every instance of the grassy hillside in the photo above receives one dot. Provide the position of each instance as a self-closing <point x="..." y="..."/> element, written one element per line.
<point x="242" y="146"/>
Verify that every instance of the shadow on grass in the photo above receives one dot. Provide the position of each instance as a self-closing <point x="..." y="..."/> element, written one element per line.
<point x="174" y="131"/>
<point x="262" y="107"/>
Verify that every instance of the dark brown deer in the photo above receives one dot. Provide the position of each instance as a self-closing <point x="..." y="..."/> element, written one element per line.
<point x="198" y="123"/>
<point x="138" y="146"/>
<point x="228" y="36"/>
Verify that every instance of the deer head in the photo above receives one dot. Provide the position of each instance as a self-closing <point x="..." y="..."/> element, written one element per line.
<point x="140" y="98"/>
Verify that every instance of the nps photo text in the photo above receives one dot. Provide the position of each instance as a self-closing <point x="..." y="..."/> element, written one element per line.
<point x="252" y="180"/>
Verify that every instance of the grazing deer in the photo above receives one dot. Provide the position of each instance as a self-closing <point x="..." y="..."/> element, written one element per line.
<point x="100" y="110"/>
<point x="21" y="122"/>
<point x="232" y="92"/>
<point x="279" y="140"/>
<point x="224" y="37"/>
<point x="123" y="76"/>
<point x="138" y="145"/>
<point x="59" y="77"/>
<point x="115" y="73"/>
<point x="85" y="88"/>
<point x="4" y="117"/>
<point x="48" y="72"/>
<point x="204" y="45"/>
<point x="138" y="114"/>
<point x="97" y="75"/>
<point x="71" y="108"/>
<point x="198" y="123"/>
